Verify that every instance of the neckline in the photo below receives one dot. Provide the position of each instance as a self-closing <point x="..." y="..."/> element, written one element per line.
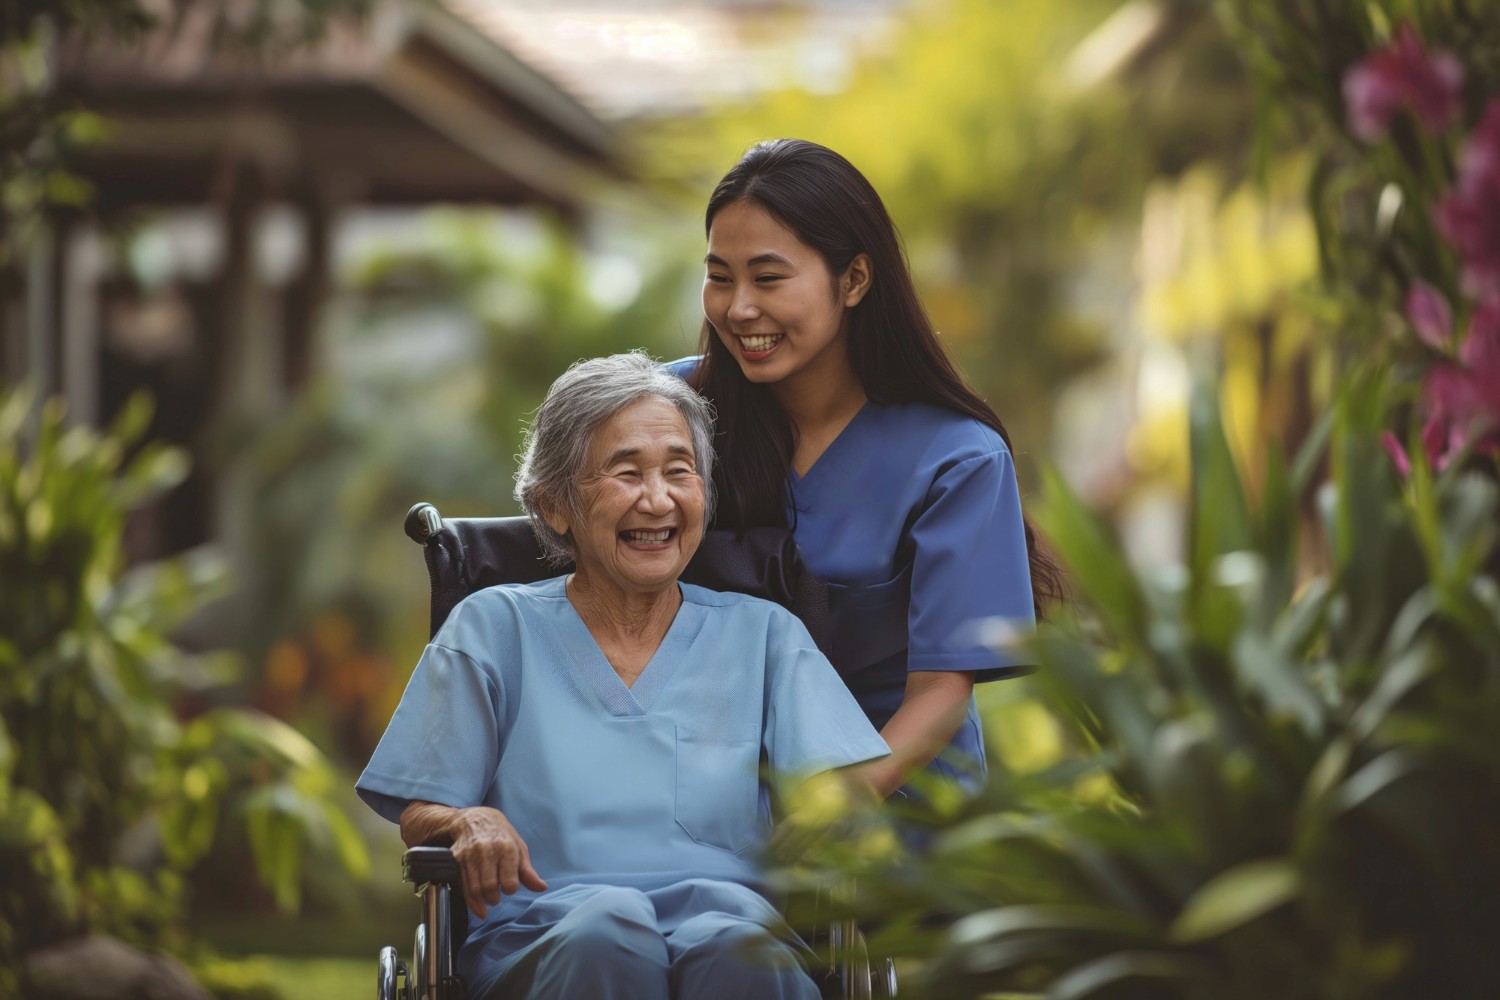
<point x="795" y="477"/>
<point x="620" y="699"/>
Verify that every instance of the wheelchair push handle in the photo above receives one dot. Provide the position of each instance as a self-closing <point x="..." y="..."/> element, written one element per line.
<point x="422" y="522"/>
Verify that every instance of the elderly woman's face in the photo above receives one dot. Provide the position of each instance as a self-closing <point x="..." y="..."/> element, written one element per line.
<point x="642" y="499"/>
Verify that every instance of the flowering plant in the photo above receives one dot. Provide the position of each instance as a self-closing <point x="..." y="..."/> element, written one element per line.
<point x="1274" y="773"/>
<point x="1459" y="392"/>
<point x="1405" y="74"/>
<point x="1469" y="216"/>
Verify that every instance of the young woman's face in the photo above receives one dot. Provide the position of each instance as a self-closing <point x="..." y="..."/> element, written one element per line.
<point x="772" y="301"/>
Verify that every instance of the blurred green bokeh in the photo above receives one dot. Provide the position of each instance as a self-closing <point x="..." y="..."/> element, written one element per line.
<point x="1277" y="683"/>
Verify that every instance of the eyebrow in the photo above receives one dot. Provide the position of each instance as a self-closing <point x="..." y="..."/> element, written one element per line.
<point x="676" y="450"/>
<point x="765" y="258"/>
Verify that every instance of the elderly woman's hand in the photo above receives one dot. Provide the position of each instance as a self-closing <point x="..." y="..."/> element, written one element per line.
<point x="491" y="856"/>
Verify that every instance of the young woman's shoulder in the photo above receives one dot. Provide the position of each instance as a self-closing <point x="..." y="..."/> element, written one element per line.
<point x="940" y="433"/>
<point x="683" y="368"/>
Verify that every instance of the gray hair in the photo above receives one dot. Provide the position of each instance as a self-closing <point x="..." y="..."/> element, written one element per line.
<point x="581" y="400"/>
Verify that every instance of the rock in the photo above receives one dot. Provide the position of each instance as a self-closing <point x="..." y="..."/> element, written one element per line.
<point x="102" y="968"/>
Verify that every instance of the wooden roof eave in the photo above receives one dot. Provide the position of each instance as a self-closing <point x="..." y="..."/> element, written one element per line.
<point x="484" y="99"/>
<point x="468" y="120"/>
<point x="511" y="76"/>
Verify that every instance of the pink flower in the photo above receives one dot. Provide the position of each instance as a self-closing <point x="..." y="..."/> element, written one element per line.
<point x="1463" y="400"/>
<point x="1404" y="74"/>
<point x="1429" y="314"/>
<point x="1469" y="217"/>
<point x="1393" y="448"/>
<point x="1481" y="348"/>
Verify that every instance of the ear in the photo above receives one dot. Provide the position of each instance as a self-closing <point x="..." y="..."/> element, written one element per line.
<point x="856" y="280"/>
<point x="556" y="521"/>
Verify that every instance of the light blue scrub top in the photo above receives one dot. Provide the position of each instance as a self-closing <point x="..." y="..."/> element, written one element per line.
<point x="513" y="705"/>
<point x="913" y="516"/>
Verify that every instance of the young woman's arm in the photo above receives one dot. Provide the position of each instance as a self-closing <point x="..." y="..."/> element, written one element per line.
<point x="931" y="711"/>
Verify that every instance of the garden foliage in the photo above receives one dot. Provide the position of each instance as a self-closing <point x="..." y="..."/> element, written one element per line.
<point x="107" y="797"/>
<point x="1280" y="775"/>
<point x="1288" y="789"/>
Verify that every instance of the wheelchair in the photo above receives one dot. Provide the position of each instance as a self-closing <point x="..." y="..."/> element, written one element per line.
<point x="464" y="555"/>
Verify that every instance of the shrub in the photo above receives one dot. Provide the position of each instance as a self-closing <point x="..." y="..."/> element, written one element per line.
<point x="107" y="799"/>
<point x="1280" y="789"/>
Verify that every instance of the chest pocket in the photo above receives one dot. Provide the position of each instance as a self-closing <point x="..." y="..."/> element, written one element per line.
<point x="718" y="787"/>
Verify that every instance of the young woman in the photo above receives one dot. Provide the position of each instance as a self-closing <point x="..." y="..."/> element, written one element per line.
<point x="840" y="417"/>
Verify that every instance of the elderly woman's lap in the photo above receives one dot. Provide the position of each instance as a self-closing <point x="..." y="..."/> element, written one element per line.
<point x="613" y="942"/>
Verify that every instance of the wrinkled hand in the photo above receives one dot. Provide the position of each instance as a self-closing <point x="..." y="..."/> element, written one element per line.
<point x="492" y="858"/>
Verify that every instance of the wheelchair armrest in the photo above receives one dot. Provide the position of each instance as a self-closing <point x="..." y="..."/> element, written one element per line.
<point x="429" y="864"/>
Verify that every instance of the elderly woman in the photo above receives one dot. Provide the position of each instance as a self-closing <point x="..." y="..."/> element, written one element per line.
<point x="591" y="744"/>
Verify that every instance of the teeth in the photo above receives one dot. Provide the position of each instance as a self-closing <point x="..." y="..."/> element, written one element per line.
<point x="648" y="536"/>
<point x="760" y="342"/>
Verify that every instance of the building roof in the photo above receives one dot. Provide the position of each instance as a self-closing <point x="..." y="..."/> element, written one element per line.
<point x="406" y="106"/>
<point x="634" y="59"/>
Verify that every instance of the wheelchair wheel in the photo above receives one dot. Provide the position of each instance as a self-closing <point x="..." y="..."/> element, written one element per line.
<point x="391" y="970"/>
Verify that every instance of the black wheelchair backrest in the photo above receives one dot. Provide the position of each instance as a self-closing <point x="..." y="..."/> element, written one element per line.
<point x="467" y="554"/>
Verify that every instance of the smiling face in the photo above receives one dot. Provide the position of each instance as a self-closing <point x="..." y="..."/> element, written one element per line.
<point x="643" y="502"/>
<point x="772" y="302"/>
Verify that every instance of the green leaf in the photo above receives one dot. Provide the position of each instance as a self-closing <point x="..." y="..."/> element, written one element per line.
<point x="1094" y="557"/>
<point x="155" y="470"/>
<point x="1092" y="978"/>
<point x="1397" y="680"/>
<point x="1220" y="515"/>
<point x="1236" y="897"/>
<point x="1299" y="625"/>
<point x="348" y="844"/>
<point x="1279" y="681"/>
<point x="1277" y="531"/>
<point x="1374" y="778"/>
<point x="267" y="737"/>
<point x="1311" y="454"/>
<point x="1007" y="920"/>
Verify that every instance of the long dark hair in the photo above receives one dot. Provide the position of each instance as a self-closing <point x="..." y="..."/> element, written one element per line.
<point x="828" y="204"/>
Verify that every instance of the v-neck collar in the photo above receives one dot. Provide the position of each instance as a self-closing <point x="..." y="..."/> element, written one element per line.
<point x="618" y="698"/>
<point x="833" y="446"/>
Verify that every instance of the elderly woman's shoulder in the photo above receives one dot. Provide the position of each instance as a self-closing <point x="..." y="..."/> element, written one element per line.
<point x="476" y="616"/>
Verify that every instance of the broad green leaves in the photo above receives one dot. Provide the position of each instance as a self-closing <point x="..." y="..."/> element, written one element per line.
<point x="1235" y="898"/>
<point x="91" y="751"/>
<point x="1303" y="791"/>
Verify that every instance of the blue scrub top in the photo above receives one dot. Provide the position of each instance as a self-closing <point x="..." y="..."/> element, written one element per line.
<point x="514" y="706"/>
<point x="913" y="516"/>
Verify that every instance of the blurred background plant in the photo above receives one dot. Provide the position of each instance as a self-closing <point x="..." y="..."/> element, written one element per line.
<point x="109" y="801"/>
<point x="1264" y="785"/>
<point x="225" y="203"/>
<point x="1265" y="769"/>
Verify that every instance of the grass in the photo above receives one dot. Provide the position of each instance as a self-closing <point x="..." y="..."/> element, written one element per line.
<point x="323" y="978"/>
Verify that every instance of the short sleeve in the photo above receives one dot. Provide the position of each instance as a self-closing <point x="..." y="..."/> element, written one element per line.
<point x="971" y="579"/>
<point x="812" y="722"/>
<point x="443" y="742"/>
